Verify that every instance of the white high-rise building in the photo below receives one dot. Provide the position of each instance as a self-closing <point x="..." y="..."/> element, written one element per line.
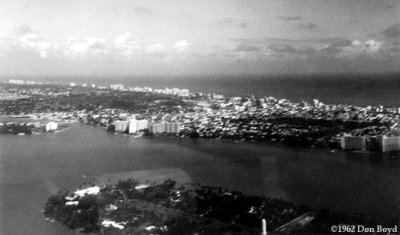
<point x="133" y="126"/>
<point x="51" y="126"/>
<point x="164" y="127"/>
<point x="137" y="125"/>
<point x="142" y="124"/>
<point x="117" y="86"/>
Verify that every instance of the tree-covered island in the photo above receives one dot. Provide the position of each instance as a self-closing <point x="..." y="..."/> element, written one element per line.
<point x="129" y="207"/>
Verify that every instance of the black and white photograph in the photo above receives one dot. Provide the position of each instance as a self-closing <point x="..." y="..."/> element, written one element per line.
<point x="199" y="117"/>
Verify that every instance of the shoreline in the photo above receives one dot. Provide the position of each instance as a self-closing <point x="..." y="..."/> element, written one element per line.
<point x="152" y="176"/>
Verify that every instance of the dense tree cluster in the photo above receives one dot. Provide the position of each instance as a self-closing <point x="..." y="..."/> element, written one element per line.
<point x="169" y="208"/>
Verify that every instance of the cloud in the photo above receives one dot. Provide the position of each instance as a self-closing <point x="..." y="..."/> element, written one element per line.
<point x="247" y="47"/>
<point x="290" y="50"/>
<point x="24" y="30"/>
<point x="24" y="39"/>
<point x="141" y="10"/>
<point x="124" y="46"/>
<point x="181" y="45"/>
<point x="281" y="48"/>
<point x="307" y="26"/>
<point x="230" y="22"/>
<point x="336" y="42"/>
<point x="85" y="46"/>
<point x="335" y="47"/>
<point x="290" y="18"/>
<point x="155" y="48"/>
<point x="340" y="48"/>
<point x="392" y="32"/>
<point x="120" y="41"/>
<point x="388" y="7"/>
<point x="36" y="43"/>
<point x="372" y="45"/>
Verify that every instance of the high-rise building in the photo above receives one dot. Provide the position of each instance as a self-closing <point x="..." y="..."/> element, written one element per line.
<point x="389" y="144"/>
<point x="164" y="127"/>
<point x="137" y="125"/>
<point x="121" y="126"/>
<point x="132" y="126"/>
<point x="172" y="127"/>
<point x="354" y="143"/>
<point x="16" y="82"/>
<point x="51" y="126"/>
<point x="380" y="143"/>
<point x="142" y="124"/>
<point x="117" y="86"/>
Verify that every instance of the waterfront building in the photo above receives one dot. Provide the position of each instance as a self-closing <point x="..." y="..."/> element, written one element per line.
<point x="374" y="143"/>
<point x="157" y="128"/>
<point x="142" y="124"/>
<point x="132" y="126"/>
<point x="357" y="143"/>
<point x="121" y="125"/>
<point x="164" y="127"/>
<point x="381" y="143"/>
<point x="117" y="86"/>
<point x="172" y="127"/>
<point x="389" y="144"/>
<point x="51" y="126"/>
<point x="137" y="125"/>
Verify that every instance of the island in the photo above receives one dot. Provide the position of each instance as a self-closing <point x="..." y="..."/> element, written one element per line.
<point x="117" y="204"/>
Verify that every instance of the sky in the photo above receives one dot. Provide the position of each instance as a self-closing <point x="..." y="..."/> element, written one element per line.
<point x="187" y="37"/>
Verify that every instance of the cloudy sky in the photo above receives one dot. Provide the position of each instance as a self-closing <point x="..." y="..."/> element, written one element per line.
<point x="178" y="37"/>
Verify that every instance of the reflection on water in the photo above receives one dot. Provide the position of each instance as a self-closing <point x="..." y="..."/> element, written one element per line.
<point x="34" y="167"/>
<point x="271" y="181"/>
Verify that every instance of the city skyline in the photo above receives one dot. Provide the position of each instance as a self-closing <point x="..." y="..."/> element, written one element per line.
<point x="127" y="38"/>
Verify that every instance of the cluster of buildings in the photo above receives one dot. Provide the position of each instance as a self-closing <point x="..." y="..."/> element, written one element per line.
<point x="20" y="82"/>
<point x="381" y="143"/>
<point x="166" y="91"/>
<point x="132" y="125"/>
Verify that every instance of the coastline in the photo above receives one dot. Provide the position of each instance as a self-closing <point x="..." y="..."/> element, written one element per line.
<point x="152" y="176"/>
